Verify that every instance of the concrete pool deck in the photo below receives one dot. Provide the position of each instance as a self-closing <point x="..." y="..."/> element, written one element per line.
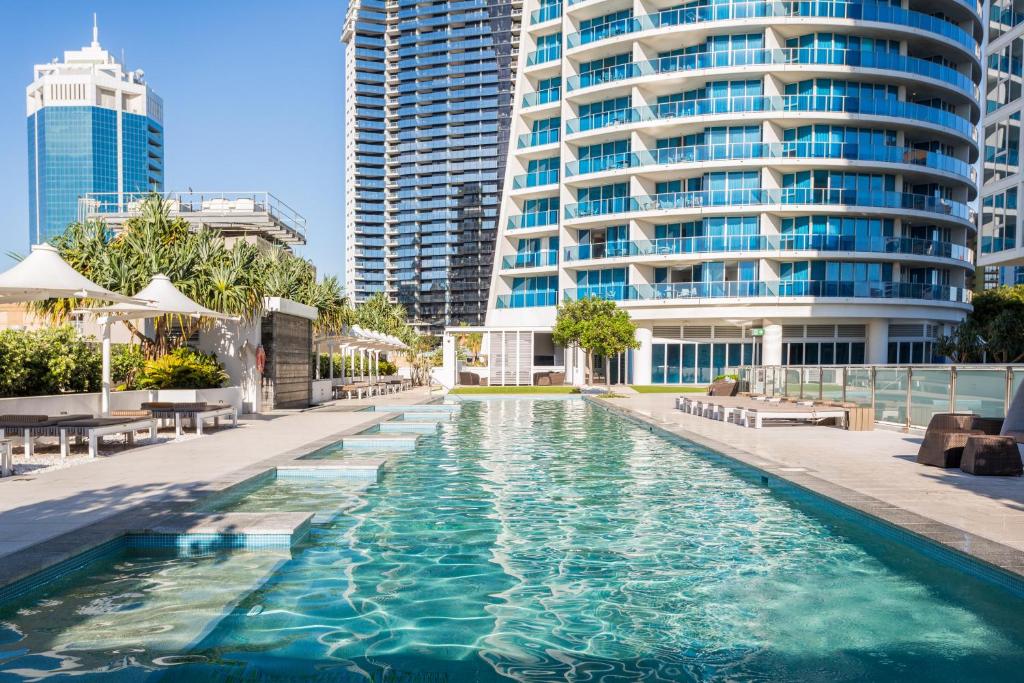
<point x="874" y="472"/>
<point x="52" y="516"/>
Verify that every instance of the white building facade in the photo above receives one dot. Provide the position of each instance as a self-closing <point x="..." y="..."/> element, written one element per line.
<point x="755" y="182"/>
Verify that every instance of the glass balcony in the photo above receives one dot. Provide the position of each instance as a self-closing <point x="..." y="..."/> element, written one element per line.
<point x="527" y="299"/>
<point x="537" y="259"/>
<point x="542" y="137"/>
<point x="535" y="99"/>
<point x="535" y="179"/>
<point x="869" y="11"/>
<point x="768" y="151"/>
<point x="774" y="290"/>
<point x="768" y="243"/>
<point x="783" y="103"/>
<point x="778" y="56"/>
<point x="548" y="13"/>
<point x="544" y="55"/>
<point x="761" y="197"/>
<point x="533" y="220"/>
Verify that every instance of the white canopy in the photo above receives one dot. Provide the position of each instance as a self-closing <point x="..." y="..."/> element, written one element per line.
<point x="163" y="299"/>
<point x="43" y="274"/>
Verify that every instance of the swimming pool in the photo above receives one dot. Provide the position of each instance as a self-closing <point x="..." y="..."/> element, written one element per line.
<point x="538" y="540"/>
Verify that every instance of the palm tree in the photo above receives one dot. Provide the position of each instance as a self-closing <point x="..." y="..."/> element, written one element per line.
<point x="231" y="280"/>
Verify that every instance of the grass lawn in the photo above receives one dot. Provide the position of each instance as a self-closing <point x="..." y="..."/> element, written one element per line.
<point x="662" y="389"/>
<point x="513" y="390"/>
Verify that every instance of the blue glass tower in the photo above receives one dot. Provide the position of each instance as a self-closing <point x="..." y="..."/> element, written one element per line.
<point x="428" y="107"/>
<point x="92" y="127"/>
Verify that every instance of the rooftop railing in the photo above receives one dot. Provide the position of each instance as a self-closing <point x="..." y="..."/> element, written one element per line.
<point x="906" y="395"/>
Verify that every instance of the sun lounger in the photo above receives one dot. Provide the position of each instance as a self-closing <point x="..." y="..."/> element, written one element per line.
<point x="94" y="429"/>
<point x="32" y="426"/>
<point x="197" y="413"/>
<point x="756" y="417"/>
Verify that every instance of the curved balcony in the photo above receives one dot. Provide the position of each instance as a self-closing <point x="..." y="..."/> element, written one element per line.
<point x="683" y="246"/>
<point x="769" y="151"/>
<point x="800" y="9"/>
<point x="537" y="259"/>
<point x="541" y="137"/>
<point x="535" y="179"/>
<point x="796" y="56"/>
<point x="923" y="114"/>
<point x="536" y="219"/>
<point x="969" y="4"/>
<point x="819" y="289"/>
<point x="880" y="199"/>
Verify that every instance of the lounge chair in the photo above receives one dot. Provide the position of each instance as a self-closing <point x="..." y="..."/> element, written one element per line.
<point x="94" y="429"/>
<point x="946" y="438"/>
<point x="198" y="413"/>
<point x="32" y="426"/>
<point x="991" y="455"/>
<point x="755" y="417"/>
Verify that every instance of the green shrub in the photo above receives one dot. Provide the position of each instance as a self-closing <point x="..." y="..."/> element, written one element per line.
<point x="50" y="361"/>
<point x="386" y="367"/>
<point x="183" y="368"/>
<point x="719" y="378"/>
<point x="126" y="364"/>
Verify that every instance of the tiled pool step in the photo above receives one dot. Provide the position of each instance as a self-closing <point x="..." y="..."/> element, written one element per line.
<point x="200" y="532"/>
<point x="435" y="417"/>
<point x="349" y="468"/>
<point x="419" y="408"/>
<point x="379" y="442"/>
<point x="409" y="426"/>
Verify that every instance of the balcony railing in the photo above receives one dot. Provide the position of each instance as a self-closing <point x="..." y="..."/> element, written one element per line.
<point x="538" y="259"/>
<point x="905" y="395"/>
<point x="803" y="56"/>
<point x="535" y="219"/>
<point x="527" y="299"/>
<point x="772" y="150"/>
<point x="541" y="137"/>
<point x="922" y="113"/>
<point x="535" y="179"/>
<point x="761" y="197"/>
<point x="535" y="99"/>
<point x="539" y="16"/>
<point x="867" y="11"/>
<point x="670" y="246"/>
<point x="544" y="55"/>
<point x="761" y="289"/>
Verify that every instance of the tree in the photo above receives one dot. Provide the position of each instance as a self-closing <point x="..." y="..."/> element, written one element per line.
<point x="993" y="331"/>
<point x="597" y="326"/>
<point x="472" y="342"/>
<point x="231" y="280"/>
<point x="381" y="315"/>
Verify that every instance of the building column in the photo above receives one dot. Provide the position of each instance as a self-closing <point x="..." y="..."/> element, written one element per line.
<point x="771" y="345"/>
<point x="877" y="351"/>
<point x="330" y="361"/>
<point x="316" y="352"/>
<point x="449" y="364"/>
<point x="576" y="365"/>
<point x="642" y="356"/>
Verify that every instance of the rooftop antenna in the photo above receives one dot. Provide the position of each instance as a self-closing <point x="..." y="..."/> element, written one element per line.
<point x="95" y="31"/>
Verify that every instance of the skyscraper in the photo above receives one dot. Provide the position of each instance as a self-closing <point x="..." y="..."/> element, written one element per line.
<point x="784" y="183"/>
<point x="428" y="104"/>
<point x="92" y="127"/>
<point x="1000" y="244"/>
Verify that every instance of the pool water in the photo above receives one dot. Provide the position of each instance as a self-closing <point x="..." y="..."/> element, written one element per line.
<point x="534" y="540"/>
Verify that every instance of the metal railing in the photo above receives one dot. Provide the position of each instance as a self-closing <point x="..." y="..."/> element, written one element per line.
<point x="95" y="204"/>
<point x="906" y="395"/>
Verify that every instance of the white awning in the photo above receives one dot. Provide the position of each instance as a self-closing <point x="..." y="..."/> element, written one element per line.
<point x="43" y="274"/>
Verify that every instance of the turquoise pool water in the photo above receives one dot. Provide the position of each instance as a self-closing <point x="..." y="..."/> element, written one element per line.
<point x="534" y="540"/>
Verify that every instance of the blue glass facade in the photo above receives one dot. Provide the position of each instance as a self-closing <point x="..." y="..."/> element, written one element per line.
<point x="429" y="193"/>
<point x="73" y="150"/>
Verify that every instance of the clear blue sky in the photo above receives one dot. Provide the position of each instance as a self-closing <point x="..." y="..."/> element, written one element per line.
<point x="252" y="90"/>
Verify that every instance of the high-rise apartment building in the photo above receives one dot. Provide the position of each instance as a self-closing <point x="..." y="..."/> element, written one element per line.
<point x="92" y="127"/>
<point x="1000" y="245"/>
<point x="427" y="111"/>
<point x="767" y="182"/>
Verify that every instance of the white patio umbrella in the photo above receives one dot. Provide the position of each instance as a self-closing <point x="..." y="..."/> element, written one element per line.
<point x="43" y="274"/>
<point x="164" y="299"/>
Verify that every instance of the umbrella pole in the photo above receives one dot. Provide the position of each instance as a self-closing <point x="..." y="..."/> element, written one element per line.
<point x="105" y="347"/>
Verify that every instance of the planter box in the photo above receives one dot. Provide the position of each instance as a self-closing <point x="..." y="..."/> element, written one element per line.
<point x="119" y="400"/>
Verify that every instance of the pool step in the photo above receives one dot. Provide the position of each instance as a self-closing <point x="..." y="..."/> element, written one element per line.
<point x="349" y="468"/>
<point x="409" y="427"/>
<point x="419" y="408"/>
<point x="396" y="442"/>
<point x="200" y="532"/>
<point x="434" y="417"/>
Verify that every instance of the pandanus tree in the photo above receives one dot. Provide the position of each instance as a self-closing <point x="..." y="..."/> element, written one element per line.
<point x="232" y="280"/>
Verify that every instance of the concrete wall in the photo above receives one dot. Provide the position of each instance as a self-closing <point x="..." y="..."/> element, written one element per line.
<point x="235" y="344"/>
<point x="287" y="377"/>
<point x="119" y="400"/>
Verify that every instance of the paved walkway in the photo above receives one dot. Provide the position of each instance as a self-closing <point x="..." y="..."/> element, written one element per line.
<point x="877" y="464"/>
<point x="42" y="507"/>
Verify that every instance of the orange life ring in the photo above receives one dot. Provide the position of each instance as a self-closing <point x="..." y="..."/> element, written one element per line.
<point x="261" y="359"/>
